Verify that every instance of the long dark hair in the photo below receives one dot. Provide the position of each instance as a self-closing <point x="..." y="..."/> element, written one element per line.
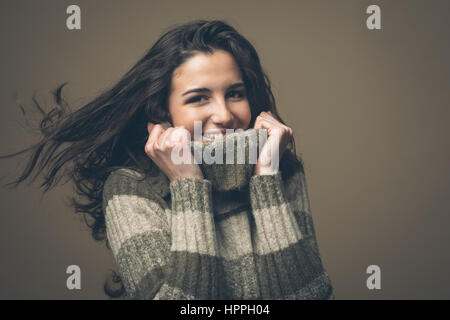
<point x="110" y="132"/>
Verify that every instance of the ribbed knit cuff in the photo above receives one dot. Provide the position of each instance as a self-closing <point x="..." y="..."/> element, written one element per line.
<point x="191" y="194"/>
<point x="193" y="228"/>
<point x="266" y="191"/>
<point x="288" y="262"/>
<point x="275" y="221"/>
<point x="193" y="259"/>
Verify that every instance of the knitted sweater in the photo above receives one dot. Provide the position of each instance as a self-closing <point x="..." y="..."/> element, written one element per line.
<point x="186" y="240"/>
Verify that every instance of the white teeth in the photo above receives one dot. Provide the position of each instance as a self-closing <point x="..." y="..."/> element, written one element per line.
<point x="212" y="135"/>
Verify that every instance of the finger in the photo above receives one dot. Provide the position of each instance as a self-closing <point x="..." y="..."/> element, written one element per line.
<point x="154" y="137"/>
<point x="150" y="127"/>
<point x="164" y="140"/>
<point x="275" y="129"/>
<point x="166" y="133"/>
<point x="262" y="123"/>
<point x="270" y="117"/>
<point x="257" y="124"/>
<point x="180" y="134"/>
<point x="264" y="115"/>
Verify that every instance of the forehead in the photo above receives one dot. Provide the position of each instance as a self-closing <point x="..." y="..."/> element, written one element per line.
<point x="214" y="71"/>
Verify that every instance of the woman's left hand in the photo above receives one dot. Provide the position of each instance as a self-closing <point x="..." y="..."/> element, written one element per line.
<point x="278" y="138"/>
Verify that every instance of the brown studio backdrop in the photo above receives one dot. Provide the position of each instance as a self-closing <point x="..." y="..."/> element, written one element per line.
<point x="369" y="110"/>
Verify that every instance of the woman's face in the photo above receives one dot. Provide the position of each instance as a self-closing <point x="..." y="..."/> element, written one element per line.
<point x="209" y="88"/>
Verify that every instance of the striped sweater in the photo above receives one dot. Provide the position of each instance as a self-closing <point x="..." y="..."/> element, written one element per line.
<point x="186" y="240"/>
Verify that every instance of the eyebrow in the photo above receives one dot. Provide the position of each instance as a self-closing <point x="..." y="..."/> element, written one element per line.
<point x="233" y="86"/>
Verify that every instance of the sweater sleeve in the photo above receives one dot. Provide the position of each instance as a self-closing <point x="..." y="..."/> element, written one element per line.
<point x="162" y="252"/>
<point x="289" y="264"/>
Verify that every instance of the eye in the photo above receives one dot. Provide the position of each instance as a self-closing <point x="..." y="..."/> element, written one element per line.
<point x="196" y="99"/>
<point x="236" y="94"/>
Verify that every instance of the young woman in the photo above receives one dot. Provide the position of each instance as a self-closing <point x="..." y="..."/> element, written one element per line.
<point x="175" y="232"/>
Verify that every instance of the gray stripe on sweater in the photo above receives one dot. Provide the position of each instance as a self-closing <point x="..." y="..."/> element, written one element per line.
<point x="146" y="257"/>
<point x="279" y="274"/>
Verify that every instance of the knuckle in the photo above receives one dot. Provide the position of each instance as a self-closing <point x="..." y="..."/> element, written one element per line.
<point x="277" y="131"/>
<point x="180" y="130"/>
<point x="149" y="151"/>
<point x="157" y="148"/>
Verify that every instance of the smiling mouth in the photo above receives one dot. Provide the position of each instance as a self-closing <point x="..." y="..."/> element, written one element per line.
<point x="211" y="135"/>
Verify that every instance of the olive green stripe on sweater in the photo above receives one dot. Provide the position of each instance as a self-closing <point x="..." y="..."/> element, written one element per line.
<point x="266" y="191"/>
<point x="242" y="282"/>
<point x="279" y="274"/>
<point x="286" y="271"/>
<point x="195" y="274"/>
<point x="191" y="194"/>
<point x="305" y="222"/>
<point x="319" y="289"/>
<point x="228" y="214"/>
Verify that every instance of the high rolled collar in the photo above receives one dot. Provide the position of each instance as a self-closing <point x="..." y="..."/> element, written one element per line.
<point x="229" y="161"/>
<point x="223" y="177"/>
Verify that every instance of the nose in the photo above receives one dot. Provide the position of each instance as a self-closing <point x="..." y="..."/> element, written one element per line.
<point x="221" y="114"/>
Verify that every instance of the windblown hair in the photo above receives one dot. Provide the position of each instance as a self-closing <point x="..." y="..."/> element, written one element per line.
<point x="110" y="132"/>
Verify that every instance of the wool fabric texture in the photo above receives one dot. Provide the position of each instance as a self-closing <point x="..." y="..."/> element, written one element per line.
<point x="187" y="239"/>
<point x="229" y="161"/>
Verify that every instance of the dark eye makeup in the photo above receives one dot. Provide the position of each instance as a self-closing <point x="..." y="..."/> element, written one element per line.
<point x="196" y="99"/>
<point x="240" y="94"/>
<point x="235" y="94"/>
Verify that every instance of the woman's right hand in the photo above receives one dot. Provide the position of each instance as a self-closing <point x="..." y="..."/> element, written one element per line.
<point x="160" y="145"/>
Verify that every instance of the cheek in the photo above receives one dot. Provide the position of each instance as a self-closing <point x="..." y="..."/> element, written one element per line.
<point x="243" y="114"/>
<point x="186" y="117"/>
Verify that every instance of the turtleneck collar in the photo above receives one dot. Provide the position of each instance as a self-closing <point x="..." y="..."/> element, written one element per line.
<point x="229" y="161"/>
<point x="227" y="168"/>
